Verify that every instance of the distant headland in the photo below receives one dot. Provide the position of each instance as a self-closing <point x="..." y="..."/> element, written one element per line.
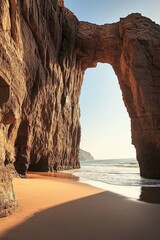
<point x="84" y="155"/>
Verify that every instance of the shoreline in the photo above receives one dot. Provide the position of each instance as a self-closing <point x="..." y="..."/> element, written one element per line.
<point x="62" y="207"/>
<point x="148" y="194"/>
<point x="132" y="194"/>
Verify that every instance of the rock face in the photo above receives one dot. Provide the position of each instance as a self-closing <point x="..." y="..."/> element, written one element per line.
<point x="44" y="52"/>
<point x="132" y="47"/>
<point x="83" y="155"/>
<point x="40" y="81"/>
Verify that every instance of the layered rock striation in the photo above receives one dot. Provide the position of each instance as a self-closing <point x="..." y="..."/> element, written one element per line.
<point x="40" y="81"/>
<point x="44" y="52"/>
<point x="132" y="47"/>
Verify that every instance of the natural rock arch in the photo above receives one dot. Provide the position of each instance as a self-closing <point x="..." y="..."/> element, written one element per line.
<point x="44" y="51"/>
<point x="132" y="47"/>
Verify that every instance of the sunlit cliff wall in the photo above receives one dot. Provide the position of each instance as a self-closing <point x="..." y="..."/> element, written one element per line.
<point x="40" y="81"/>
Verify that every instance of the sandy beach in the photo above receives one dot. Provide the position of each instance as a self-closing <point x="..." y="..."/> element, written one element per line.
<point x="60" y="208"/>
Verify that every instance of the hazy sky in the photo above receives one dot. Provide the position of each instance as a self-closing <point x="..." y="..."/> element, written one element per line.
<point x="104" y="119"/>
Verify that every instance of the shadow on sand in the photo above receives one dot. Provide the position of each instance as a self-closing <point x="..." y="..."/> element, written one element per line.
<point x="150" y="194"/>
<point x="97" y="217"/>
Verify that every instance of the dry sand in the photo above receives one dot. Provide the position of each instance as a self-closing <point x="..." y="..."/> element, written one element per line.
<point x="61" y="209"/>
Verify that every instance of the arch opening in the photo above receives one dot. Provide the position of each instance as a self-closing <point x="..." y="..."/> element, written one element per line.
<point x="106" y="128"/>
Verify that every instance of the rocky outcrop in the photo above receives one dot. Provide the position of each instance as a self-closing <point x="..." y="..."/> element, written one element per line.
<point x="132" y="47"/>
<point x="84" y="155"/>
<point x="44" y="52"/>
<point x="40" y="81"/>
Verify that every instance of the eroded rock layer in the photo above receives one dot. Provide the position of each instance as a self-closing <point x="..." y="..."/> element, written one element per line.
<point x="132" y="47"/>
<point x="40" y="81"/>
<point x="44" y="52"/>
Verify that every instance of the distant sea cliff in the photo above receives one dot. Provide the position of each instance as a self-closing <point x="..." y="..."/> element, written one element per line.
<point x="84" y="155"/>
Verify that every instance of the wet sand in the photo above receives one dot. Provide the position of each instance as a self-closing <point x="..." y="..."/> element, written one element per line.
<point x="55" y="207"/>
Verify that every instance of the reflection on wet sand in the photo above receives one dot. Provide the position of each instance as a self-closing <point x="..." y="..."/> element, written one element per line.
<point x="150" y="194"/>
<point x="61" y="175"/>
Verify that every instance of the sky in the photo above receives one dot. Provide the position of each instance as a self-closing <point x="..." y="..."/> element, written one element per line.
<point x="105" y="122"/>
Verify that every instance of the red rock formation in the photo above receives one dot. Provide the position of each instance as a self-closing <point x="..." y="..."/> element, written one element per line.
<point x="40" y="81"/>
<point x="49" y="131"/>
<point x="44" y="51"/>
<point x="132" y="47"/>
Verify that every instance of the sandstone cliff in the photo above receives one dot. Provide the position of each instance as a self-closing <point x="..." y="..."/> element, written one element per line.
<point x="44" y="52"/>
<point x="84" y="155"/>
<point x="40" y="81"/>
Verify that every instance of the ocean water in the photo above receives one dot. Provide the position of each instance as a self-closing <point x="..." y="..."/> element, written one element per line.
<point x="121" y="176"/>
